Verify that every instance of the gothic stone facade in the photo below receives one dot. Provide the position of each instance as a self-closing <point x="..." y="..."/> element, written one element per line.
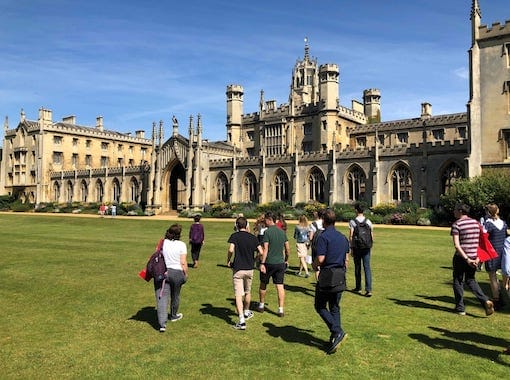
<point x="311" y="148"/>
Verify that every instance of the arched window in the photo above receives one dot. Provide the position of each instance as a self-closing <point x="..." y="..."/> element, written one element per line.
<point x="222" y="186"/>
<point x="99" y="191"/>
<point x="116" y="191"/>
<point x="84" y="191"/>
<point x="249" y="188"/>
<point x="452" y="173"/>
<point x="56" y="191"/>
<point x="316" y="185"/>
<point x="134" y="190"/>
<point x="356" y="182"/>
<point x="69" y="192"/>
<point x="281" y="185"/>
<point x="402" y="184"/>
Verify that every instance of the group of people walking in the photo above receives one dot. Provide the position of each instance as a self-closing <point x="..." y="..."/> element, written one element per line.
<point x="269" y="249"/>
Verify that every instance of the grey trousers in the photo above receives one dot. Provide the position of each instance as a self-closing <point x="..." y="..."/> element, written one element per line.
<point x="171" y="289"/>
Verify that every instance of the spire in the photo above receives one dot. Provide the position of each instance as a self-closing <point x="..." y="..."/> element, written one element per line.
<point x="175" y="126"/>
<point x="475" y="9"/>
<point x="307" y="50"/>
<point x="22" y="115"/>
<point x="476" y="17"/>
<point x="261" y="102"/>
<point x="6" y="123"/>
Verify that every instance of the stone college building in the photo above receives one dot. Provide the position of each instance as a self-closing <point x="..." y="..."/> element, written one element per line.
<point x="311" y="148"/>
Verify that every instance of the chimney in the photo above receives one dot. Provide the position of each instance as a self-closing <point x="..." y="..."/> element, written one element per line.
<point x="69" y="119"/>
<point x="426" y="110"/>
<point x="140" y="134"/>
<point x="99" y="123"/>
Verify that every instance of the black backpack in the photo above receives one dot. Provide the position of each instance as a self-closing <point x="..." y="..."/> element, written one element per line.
<point x="362" y="235"/>
<point x="156" y="267"/>
<point x="315" y="238"/>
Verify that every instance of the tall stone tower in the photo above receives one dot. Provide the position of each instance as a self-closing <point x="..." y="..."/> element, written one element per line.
<point x="234" y="94"/>
<point x="372" y="105"/>
<point x="304" y="87"/>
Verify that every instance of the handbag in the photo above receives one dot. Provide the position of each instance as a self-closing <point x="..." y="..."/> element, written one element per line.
<point x="485" y="249"/>
<point x="332" y="280"/>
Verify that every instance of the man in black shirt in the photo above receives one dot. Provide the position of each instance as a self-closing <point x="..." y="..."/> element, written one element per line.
<point x="242" y="245"/>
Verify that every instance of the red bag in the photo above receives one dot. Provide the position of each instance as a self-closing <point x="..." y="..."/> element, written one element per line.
<point x="485" y="250"/>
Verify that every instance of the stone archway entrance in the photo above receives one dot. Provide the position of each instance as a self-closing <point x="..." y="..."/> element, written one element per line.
<point x="177" y="185"/>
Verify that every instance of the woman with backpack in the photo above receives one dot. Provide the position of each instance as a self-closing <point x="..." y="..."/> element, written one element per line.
<point x="361" y="238"/>
<point x="174" y="253"/>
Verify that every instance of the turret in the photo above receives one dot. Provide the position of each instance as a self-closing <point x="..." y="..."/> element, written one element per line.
<point x="328" y="85"/>
<point x="372" y="105"/>
<point x="234" y="112"/>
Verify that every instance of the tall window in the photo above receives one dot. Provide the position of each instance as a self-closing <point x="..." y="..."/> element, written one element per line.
<point x="116" y="190"/>
<point x="401" y="182"/>
<point x="84" y="191"/>
<point x="249" y="188"/>
<point x="281" y="185"/>
<point x="134" y="194"/>
<point x="273" y="136"/>
<point x="316" y="185"/>
<point x="56" y="191"/>
<point x="356" y="182"/>
<point x="452" y="173"/>
<point x="69" y="192"/>
<point x="222" y="186"/>
<point x="99" y="191"/>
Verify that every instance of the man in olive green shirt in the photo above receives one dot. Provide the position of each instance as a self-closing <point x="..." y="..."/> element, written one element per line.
<point x="274" y="261"/>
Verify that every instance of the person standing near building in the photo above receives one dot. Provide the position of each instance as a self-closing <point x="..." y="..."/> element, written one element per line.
<point x="331" y="262"/>
<point x="316" y="229"/>
<point x="361" y="237"/>
<point x="273" y="262"/>
<point x="465" y="233"/>
<point x="496" y="229"/>
<point x="301" y="234"/>
<point x="242" y="245"/>
<point x="113" y="210"/>
<point x="174" y="252"/>
<point x="196" y="239"/>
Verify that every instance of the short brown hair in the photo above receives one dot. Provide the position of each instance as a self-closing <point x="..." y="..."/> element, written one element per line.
<point x="173" y="232"/>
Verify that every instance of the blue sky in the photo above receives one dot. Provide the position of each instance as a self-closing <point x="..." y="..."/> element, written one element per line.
<point x="136" y="62"/>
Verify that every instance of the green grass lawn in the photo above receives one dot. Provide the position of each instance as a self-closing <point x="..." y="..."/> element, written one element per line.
<point x="72" y="306"/>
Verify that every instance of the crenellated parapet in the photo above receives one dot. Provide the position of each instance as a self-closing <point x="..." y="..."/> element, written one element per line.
<point x="351" y="114"/>
<point x="96" y="172"/>
<point x="495" y="30"/>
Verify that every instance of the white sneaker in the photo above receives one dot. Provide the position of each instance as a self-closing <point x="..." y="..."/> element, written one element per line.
<point x="239" y="326"/>
<point x="177" y="317"/>
<point x="248" y="315"/>
<point x="162" y="329"/>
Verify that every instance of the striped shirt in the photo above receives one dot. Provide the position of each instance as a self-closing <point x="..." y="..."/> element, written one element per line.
<point x="469" y="235"/>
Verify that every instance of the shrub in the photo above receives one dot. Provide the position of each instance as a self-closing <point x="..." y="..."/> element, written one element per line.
<point x="19" y="206"/>
<point x="384" y="209"/>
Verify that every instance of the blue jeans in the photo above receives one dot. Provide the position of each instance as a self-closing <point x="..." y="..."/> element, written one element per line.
<point x="362" y="255"/>
<point x="332" y="315"/>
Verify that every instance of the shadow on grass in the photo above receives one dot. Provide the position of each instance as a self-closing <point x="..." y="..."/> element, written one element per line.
<point x="147" y="314"/>
<point x="445" y="299"/>
<point x="223" y="313"/>
<point x="300" y="289"/>
<point x="292" y="334"/>
<point x="466" y="343"/>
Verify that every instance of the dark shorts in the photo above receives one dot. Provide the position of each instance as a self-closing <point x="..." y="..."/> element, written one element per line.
<point x="493" y="265"/>
<point x="276" y="271"/>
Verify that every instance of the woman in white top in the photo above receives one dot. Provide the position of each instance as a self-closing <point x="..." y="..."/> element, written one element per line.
<point x="174" y="252"/>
